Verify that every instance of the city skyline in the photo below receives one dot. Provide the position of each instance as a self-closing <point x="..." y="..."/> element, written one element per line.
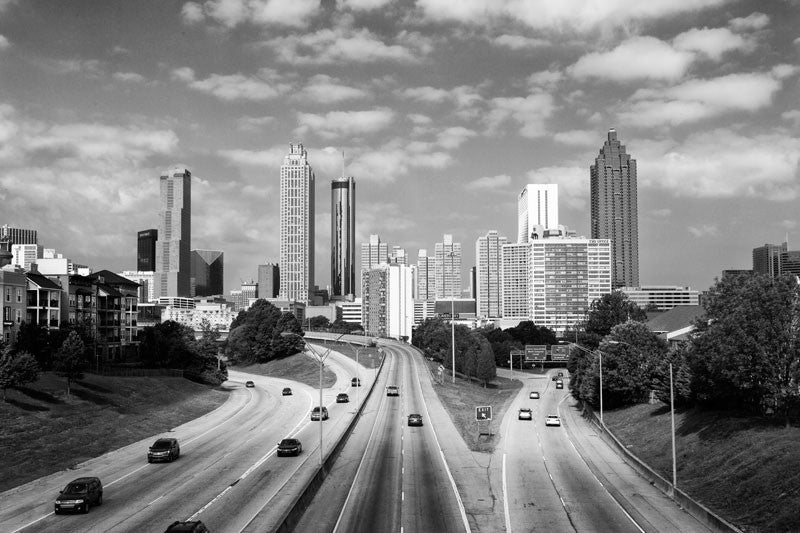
<point x="445" y="115"/>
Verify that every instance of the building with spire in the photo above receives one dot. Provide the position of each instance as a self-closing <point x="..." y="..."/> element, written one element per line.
<point x="296" y="255"/>
<point x="614" y="209"/>
<point x="173" y="263"/>
<point x="343" y="236"/>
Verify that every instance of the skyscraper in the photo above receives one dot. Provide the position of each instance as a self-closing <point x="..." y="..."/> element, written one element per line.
<point x="537" y="204"/>
<point x="767" y="259"/>
<point x="614" y="211"/>
<point x="268" y="280"/>
<point x="173" y="266"/>
<point x="296" y="258"/>
<point x="207" y="272"/>
<point x="373" y="253"/>
<point x="146" y="250"/>
<point x="343" y="235"/>
<point x="426" y="277"/>
<point x="488" y="271"/>
<point x="398" y="256"/>
<point x="19" y="235"/>
<point x="447" y="268"/>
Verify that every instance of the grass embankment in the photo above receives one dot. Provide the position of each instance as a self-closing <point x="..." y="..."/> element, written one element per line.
<point x="462" y="397"/>
<point x="297" y="367"/>
<point x="43" y="432"/>
<point x="747" y="470"/>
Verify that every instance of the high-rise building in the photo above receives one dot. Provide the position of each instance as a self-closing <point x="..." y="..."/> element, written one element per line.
<point x="146" y="250"/>
<point x="537" y="205"/>
<point x="398" y="256"/>
<point x="426" y="277"/>
<point x="447" y="268"/>
<point x="18" y="235"/>
<point x="387" y="303"/>
<point x="296" y="258"/>
<point x="614" y="209"/>
<point x="207" y="272"/>
<point x="373" y="253"/>
<point x="26" y="254"/>
<point x="173" y="264"/>
<point x="767" y="258"/>
<point x="662" y="297"/>
<point x="515" y="279"/>
<point x="343" y="236"/>
<point x="488" y="255"/>
<point x="268" y="280"/>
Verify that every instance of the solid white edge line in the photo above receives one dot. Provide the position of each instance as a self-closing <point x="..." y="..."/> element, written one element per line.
<point x="594" y="476"/>
<point x="29" y="524"/>
<point x="505" y="498"/>
<point x="441" y="452"/>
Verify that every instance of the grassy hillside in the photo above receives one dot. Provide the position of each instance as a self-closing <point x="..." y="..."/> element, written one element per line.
<point x="745" y="469"/>
<point x="44" y="432"/>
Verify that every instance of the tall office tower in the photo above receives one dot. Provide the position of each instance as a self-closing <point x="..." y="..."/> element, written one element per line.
<point x="537" y="205"/>
<point x="146" y="250"/>
<point x="398" y="256"/>
<point x="173" y="264"/>
<point x="387" y="303"/>
<point x="614" y="211"/>
<point x="515" y="279"/>
<point x="208" y="272"/>
<point x="26" y="254"/>
<point x="447" y="268"/>
<point x="373" y="253"/>
<point x="343" y="237"/>
<point x="268" y="280"/>
<point x="488" y="255"/>
<point x="297" y="226"/>
<point x="19" y="235"/>
<point x="426" y="277"/>
<point x="767" y="258"/>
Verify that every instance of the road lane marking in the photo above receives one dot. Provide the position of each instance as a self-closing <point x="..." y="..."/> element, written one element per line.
<point x="505" y="497"/>
<point x="154" y="501"/>
<point x="29" y="524"/>
<point x="126" y="475"/>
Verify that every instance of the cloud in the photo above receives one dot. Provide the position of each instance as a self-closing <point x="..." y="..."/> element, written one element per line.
<point x="530" y="112"/>
<point x="519" y="42"/>
<point x="706" y="230"/>
<point x="254" y="123"/>
<point x="792" y="116"/>
<point x="263" y="159"/>
<point x="712" y="42"/>
<point x="90" y="67"/>
<point x="637" y="58"/>
<point x="265" y="85"/>
<point x="344" y="123"/>
<point x="4" y="42"/>
<point x="365" y="5"/>
<point x="572" y="180"/>
<point x="129" y="77"/>
<point x="576" y="137"/>
<point x="232" y="13"/>
<point x="696" y="100"/>
<point x="452" y="138"/>
<point x="489" y="183"/>
<point x="323" y="89"/>
<point x="345" y="45"/>
<point x="545" y="79"/>
<point x="754" y="21"/>
<point x="725" y="164"/>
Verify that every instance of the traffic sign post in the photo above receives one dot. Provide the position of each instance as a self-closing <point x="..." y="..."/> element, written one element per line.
<point x="483" y="414"/>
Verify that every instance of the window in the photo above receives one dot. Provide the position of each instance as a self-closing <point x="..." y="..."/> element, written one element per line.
<point x="8" y="294"/>
<point x="19" y="295"/>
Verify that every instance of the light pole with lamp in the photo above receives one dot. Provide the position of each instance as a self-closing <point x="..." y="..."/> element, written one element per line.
<point x="452" y="315"/>
<point x="358" y="375"/>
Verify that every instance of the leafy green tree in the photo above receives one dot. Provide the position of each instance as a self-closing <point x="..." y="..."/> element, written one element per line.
<point x="37" y="341"/>
<point x="16" y="369"/>
<point x="526" y="332"/>
<point x="207" y="366"/>
<point x="340" y="326"/>
<point x="485" y="366"/>
<point x="168" y="345"/>
<point x="612" y="309"/>
<point x="681" y="376"/>
<point x="70" y="359"/>
<point x="256" y="335"/>
<point x="319" y="322"/>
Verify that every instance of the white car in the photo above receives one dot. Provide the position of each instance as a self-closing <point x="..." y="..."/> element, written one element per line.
<point x="552" y="420"/>
<point x="525" y="414"/>
<point x="534" y="395"/>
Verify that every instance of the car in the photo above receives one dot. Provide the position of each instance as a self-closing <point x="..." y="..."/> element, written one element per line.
<point x="534" y="395"/>
<point x="525" y="414"/>
<point x="315" y="413"/>
<point x="194" y="526"/>
<point x="249" y="384"/>
<point x="286" y="391"/>
<point x="79" y="495"/>
<point x="290" y="447"/>
<point x="392" y="390"/>
<point x="415" y="419"/>
<point x="560" y="374"/>
<point x="342" y="398"/>
<point x="554" y="378"/>
<point x="552" y="420"/>
<point x="164" y="449"/>
<point x="355" y="382"/>
<point x="559" y="384"/>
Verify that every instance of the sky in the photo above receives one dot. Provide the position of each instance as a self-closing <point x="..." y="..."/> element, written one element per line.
<point x="444" y="111"/>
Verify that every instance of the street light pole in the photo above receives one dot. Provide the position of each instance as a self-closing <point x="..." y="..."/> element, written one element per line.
<point x="599" y="353"/>
<point x="672" y="419"/>
<point x="452" y="317"/>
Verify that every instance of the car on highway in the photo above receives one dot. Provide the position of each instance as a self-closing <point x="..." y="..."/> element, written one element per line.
<point x="79" y="495"/>
<point x="392" y="390"/>
<point x="249" y="384"/>
<point x="560" y="374"/>
<point x="525" y="414"/>
<point x="342" y="398"/>
<point x="554" y="377"/>
<point x="552" y="420"/>
<point x="534" y="395"/>
<point x="193" y="526"/>
<point x="559" y="384"/>
<point x="415" y="419"/>
<point x="355" y="382"/>
<point x="315" y="413"/>
<point x="290" y="447"/>
<point x="164" y="449"/>
<point x="286" y="391"/>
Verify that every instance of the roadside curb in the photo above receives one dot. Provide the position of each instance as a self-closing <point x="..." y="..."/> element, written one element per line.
<point x="699" y="511"/>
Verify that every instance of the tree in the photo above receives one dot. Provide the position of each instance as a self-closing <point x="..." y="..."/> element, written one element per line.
<point x="70" y="359"/>
<point x="486" y="369"/>
<point x="612" y="309"/>
<point x="319" y="322"/>
<point x="38" y="341"/>
<point x="256" y="335"/>
<point x="16" y="369"/>
<point x="168" y="345"/>
<point x="208" y="367"/>
<point x="526" y="332"/>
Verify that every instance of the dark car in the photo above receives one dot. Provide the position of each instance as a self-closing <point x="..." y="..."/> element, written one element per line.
<point x="355" y="382"/>
<point x="190" y="527"/>
<point x="554" y="378"/>
<point x="286" y="391"/>
<point x="342" y="398"/>
<point x="79" y="495"/>
<point x="315" y="413"/>
<point x="166" y="449"/>
<point x="415" y="419"/>
<point x="249" y="384"/>
<point x="290" y="447"/>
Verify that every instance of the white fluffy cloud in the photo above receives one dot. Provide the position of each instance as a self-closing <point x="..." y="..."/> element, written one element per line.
<point x="713" y="42"/>
<point x="637" y="58"/>
<point x="323" y="89"/>
<point x="265" y="85"/>
<point x="571" y="179"/>
<point x="576" y="137"/>
<point x="345" y="123"/>
<point x="489" y="183"/>
<point x="531" y="113"/>
<point x="232" y="13"/>
<point x="4" y="43"/>
<point x="519" y="42"/>
<point x="754" y="21"/>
